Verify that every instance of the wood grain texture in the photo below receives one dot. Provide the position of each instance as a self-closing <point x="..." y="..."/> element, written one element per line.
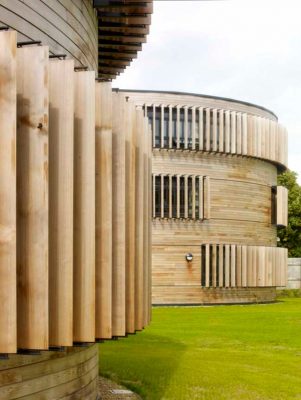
<point x="84" y="207"/>
<point x="61" y="144"/>
<point x="70" y="374"/>
<point x="139" y="286"/>
<point x="32" y="196"/>
<point x="8" y="175"/>
<point x="130" y="205"/>
<point x="103" y="210"/>
<point x="119" y="219"/>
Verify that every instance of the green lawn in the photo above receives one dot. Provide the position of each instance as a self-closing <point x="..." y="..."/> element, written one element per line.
<point x="224" y="352"/>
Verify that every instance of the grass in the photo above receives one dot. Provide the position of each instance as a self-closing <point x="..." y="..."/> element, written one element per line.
<point x="212" y="353"/>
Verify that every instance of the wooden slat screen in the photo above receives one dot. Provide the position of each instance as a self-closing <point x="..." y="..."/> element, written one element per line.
<point x="181" y="197"/>
<point x="282" y="206"/>
<point x="226" y="265"/>
<point x="217" y="130"/>
<point x="81" y="268"/>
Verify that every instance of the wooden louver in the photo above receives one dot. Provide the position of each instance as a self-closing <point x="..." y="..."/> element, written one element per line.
<point x="63" y="211"/>
<point x="122" y="28"/>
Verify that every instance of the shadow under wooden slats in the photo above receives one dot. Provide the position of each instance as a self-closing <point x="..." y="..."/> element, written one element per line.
<point x="84" y="207"/>
<point x="8" y="123"/>
<point x="32" y="197"/>
<point x="22" y="18"/>
<point x="61" y="141"/>
<point x="103" y="210"/>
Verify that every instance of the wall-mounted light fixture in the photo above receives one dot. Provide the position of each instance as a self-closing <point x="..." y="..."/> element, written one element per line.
<point x="189" y="257"/>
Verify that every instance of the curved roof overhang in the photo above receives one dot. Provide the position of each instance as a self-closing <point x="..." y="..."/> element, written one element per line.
<point x="122" y="29"/>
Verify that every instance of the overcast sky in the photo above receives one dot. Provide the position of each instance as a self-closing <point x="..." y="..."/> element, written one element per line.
<point x="244" y="49"/>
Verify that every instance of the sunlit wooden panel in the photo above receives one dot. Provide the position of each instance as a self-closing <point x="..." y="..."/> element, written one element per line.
<point x="208" y="130"/>
<point x="178" y="127"/>
<point x="119" y="216"/>
<point x="249" y="266"/>
<point x="207" y="266"/>
<point x="261" y="266"/>
<point x="103" y="211"/>
<point x="130" y="198"/>
<point x="170" y="133"/>
<point x="227" y="265"/>
<point x="238" y="133"/>
<point x="244" y="134"/>
<point x="207" y="198"/>
<point x="255" y="265"/>
<point x="214" y="130"/>
<point x="233" y="266"/>
<point x="8" y="123"/>
<point x="227" y="132"/>
<point x="220" y="265"/>
<point x="84" y="207"/>
<point x="214" y="265"/>
<point x="233" y="132"/>
<point x="238" y="266"/>
<point x="185" y="196"/>
<point x="162" y="126"/>
<point x="193" y="127"/>
<point x="244" y="265"/>
<point x="146" y="280"/>
<point x="282" y="206"/>
<point x="221" y="131"/>
<point x="32" y="197"/>
<point x="61" y="144"/>
<point x="185" y="127"/>
<point x="201" y="128"/>
<point x="139" y="228"/>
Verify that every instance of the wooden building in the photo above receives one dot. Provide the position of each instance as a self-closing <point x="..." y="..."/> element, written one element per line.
<point x="216" y="203"/>
<point x="75" y="187"/>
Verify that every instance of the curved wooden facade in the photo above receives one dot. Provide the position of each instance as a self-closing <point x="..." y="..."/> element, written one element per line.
<point x="75" y="240"/>
<point x="215" y="196"/>
<point x="100" y="35"/>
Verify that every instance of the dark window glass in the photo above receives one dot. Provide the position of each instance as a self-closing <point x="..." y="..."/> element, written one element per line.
<point x="158" y="127"/>
<point x="203" y="280"/>
<point x="189" y="128"/>
<point x="190" y="197"/>
<point x="182" y="197"/>
<point x="174" y="197"/>
<point x="274" y="205"/>
<point x="174" y="127"/>
<point x="166" y="127"/>
<point x="197" y="201"/>
<point x="158" y="196"/>
<point x="197" y="121"/>
<point x="150" y="120"/>
<point x="166" y="196"/>
<point x="181" y="128"/>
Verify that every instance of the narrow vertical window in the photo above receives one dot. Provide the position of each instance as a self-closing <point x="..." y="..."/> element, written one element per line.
<point x="166" y="127"/>
<point x="190" y="200"/>
<point x="197" y="198"/>
<point x="174" y="128"/>
<point x="182" y="197"/>
<point x="189" y="122"/>
<point x="158" y="196"/>
<point x="166" y="196"/>
<point x="203" y="266"/>
<point x="158" y="127"/>
<point x="174" y="197"/>
<point x="273" y="205"/>
<point x="149" y="111"/>
<point x="197" y="130"/>
<point x="182" y="130"/>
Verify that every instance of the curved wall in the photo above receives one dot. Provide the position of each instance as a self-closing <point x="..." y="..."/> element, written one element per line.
<point x="215" y="166"/>
<point x="67" y="26"/>
<point x="70" y="374"/>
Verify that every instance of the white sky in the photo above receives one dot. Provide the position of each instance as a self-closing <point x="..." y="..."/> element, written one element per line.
<point x="243" y="49"/>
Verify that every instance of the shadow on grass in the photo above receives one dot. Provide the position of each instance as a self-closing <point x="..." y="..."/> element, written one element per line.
<point x="145" y="364"/>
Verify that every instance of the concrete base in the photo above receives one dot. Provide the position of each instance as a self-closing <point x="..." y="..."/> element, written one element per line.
<point x="66" y="375"/>
<point x="294" y="273"/>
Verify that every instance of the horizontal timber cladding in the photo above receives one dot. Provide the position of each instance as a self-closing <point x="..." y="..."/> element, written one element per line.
<point x="67" y="26"/>
<point x="75" y="226"/>
<point x="68" y="374"/>
<point x="183" y="121"/>
<point x="219" y="265"/>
